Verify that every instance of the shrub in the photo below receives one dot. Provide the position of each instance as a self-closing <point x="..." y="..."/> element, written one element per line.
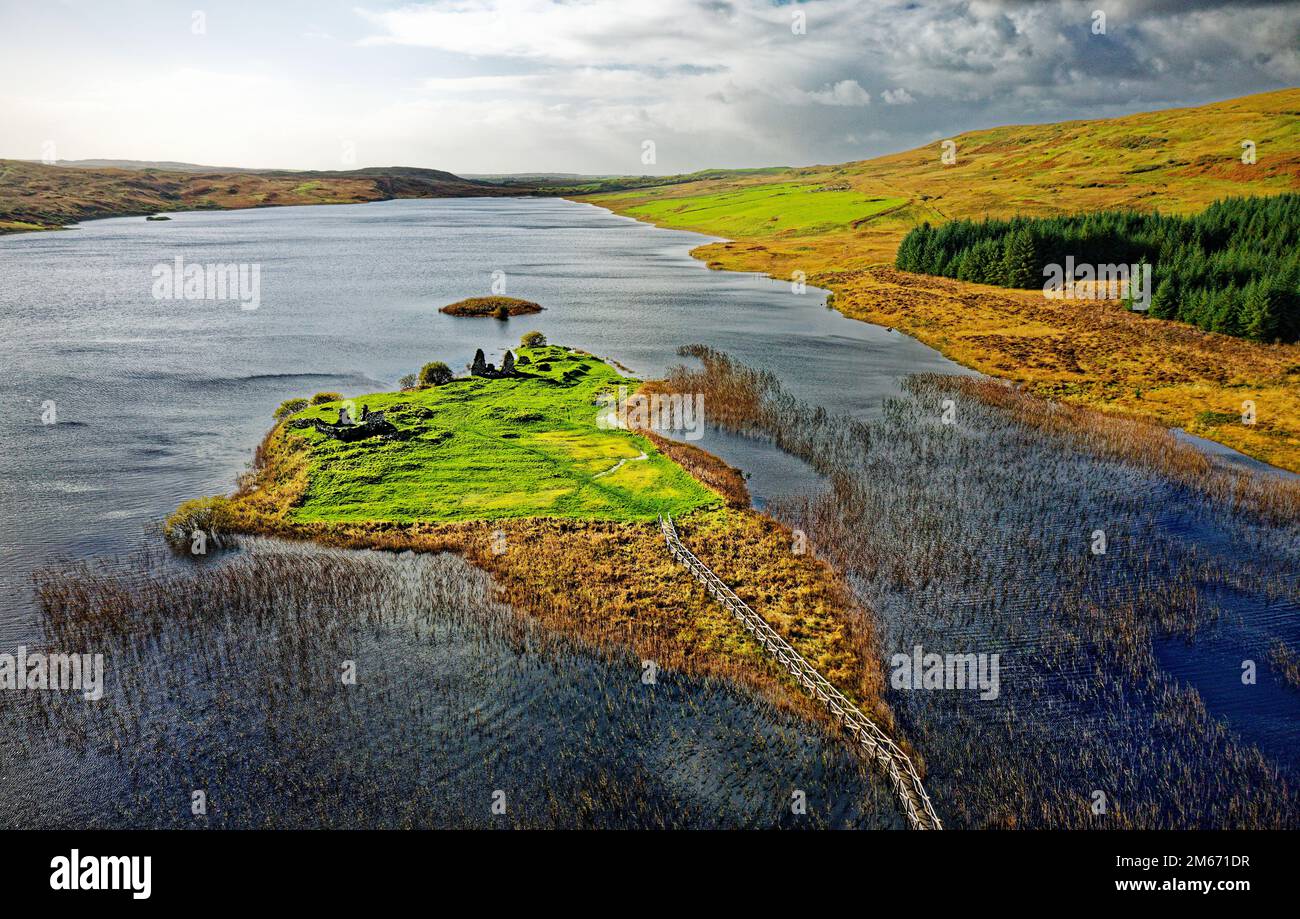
<point x="410" y="381"/>
<point x="435" y="373"/>
<point x="289" y="407"/>
<point x="543" y="366"/>
<point x="207" y="515"/>
<point x="532" y="340"/>
<point x="501" y="313"/>
<point x="322" y="397"/>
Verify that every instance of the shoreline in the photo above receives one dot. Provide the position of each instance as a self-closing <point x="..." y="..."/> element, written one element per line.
<point x="839" y="293"/>
<point x="8" y="231"/>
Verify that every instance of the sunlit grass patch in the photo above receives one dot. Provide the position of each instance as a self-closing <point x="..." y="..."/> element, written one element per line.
<point x="475" y="448"/>
<point x="766" y="210"/>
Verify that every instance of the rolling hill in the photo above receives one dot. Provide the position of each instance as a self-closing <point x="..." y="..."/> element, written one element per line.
<point x="34" y="196"/>
<point x="851" y="217"/>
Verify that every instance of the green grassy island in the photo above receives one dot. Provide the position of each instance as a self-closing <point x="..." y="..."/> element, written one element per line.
<point x="519" y="470"/>
<point x="474" y="448"/>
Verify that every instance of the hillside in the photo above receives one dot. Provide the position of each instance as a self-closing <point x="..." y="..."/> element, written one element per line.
<point x="1178" y="160"/>
<point x="34" y="196"/>
<point x="1094" y="353"/>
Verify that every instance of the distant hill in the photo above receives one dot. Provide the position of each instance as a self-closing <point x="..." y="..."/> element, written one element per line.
<point x="1178" y="160"/>
<point x="839" y="227"/>
<point x="35" y="196"/>
<point x="160" y="165"/>
<point x="535" y="176"/>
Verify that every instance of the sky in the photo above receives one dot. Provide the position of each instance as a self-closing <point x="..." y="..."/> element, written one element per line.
<point x="580" y="86"/>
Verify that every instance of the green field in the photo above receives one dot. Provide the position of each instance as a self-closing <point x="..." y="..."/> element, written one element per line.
<point x="479" y="448"/>
<point x="760" y="210"/>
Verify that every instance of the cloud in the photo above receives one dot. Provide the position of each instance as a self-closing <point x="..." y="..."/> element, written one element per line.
<point x="845" y="92"/>
<point x="578" y="85"/>
<point x="729" y="69"/>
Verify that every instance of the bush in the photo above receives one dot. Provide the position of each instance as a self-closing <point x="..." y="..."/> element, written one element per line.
<point x="210" y="516"/>
<point x="289" y="407"/>
<point x="543" y="366"/>
<point x="410" y="381"/>
<point x="501" y="313"/>
<point x="532" y="340"/>
<point x="322" y="397"/>
<point x="435" y="373"/>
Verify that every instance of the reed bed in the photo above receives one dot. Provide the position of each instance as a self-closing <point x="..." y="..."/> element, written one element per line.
<point x="228" y="680"/>
<point x="611" y="584"/>
<point x="978" y="535"/>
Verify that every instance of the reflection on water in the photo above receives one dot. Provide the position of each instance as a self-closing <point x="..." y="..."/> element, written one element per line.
<point x="232" y="684"/>
<point x="1265" y="710"/>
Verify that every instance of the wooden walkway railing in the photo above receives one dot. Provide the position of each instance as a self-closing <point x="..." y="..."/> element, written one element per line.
<point x="874" y="742"/>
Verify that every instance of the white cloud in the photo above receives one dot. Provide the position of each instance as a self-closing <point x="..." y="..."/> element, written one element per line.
<point x="845" y="92"/>
<point x="898" y="96"/>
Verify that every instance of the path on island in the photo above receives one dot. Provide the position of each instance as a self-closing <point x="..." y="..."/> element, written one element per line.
<point x="619" y="465"/>
<point x="874" y="742"/>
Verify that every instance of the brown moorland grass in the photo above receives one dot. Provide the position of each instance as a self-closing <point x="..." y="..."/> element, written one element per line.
<point x="1088" y="352"/>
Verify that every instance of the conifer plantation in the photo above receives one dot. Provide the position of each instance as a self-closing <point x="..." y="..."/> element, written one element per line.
<point x="1234" y="268"/>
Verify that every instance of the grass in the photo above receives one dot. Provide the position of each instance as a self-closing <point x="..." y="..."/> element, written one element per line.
<point x="19" y="226"/>
<point x="1087" y="353"/>
<point x="489" y="449"/>
<point x="760" y="210"/>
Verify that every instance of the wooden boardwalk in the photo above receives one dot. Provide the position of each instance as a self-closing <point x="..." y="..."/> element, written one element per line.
<point x="874" y="742"/>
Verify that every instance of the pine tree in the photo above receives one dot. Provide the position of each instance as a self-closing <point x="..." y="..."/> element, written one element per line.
<point x="1260" y="319"/>
<point x="1164" y="302"/>
<point x="1225" y="316"/>
<point x="1019" y="262"/>
<point x="966" y="266"/>
<point x="988" y="264"/>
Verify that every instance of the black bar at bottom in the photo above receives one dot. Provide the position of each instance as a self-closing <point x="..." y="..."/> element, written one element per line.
<point x="333" y="869"/>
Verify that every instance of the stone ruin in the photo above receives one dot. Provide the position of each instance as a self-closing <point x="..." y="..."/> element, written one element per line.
<point x="480" y="368"/>
<point x="370" y="424"/>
